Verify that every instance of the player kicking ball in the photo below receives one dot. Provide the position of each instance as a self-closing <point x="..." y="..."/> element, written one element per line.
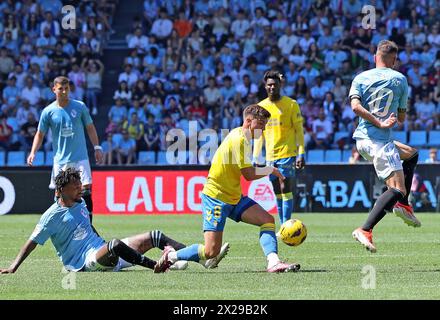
<point x="68" y="226"/>
<point x="376" y="96"/>
<point x="222" y="197"/>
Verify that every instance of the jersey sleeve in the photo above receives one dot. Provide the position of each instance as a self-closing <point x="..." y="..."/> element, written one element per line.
<point x="41" y="233"/>
<point x="296" y="113"/>
<point x="85" y="116"/>
<point x="403" y="102"/>
<point x="43" y="125"/>
<point x="355" y="89"/>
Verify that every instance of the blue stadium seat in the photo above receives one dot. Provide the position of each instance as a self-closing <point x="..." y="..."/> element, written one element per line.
<point x="147" y="157"/>
<point x="423" y="155"/>
<point x="341" y="134"/>
<point x="162" y="158"/>
<point x="49" y="158"/>
<point x="346" y="154"/>
<point x="417" y="138"/>
<point x="400" y="136"/>
<point x="39" y="159"/>
<point x="333" y="156"/>
<point x="434" y="138"/>
<point x="2" y="158"/>
<point x="16" y="158"/>
<point x="315" y="156"/>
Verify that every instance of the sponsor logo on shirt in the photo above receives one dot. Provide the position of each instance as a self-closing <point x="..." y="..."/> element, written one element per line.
<point x="67" y="132"/>
<point x="80" y="233"/>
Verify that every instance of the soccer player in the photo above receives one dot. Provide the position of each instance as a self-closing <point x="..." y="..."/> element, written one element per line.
<point x="222" y="197"/>
<point x="376" y="96"/>
<point x="68" y="226"/>
<point x="67" y="118"/>
<point x="284" y="136"/>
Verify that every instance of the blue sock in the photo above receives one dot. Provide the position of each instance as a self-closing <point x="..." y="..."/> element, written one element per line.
<point x="280" y="207"/>
<point x="268" y="241"/>
<point x="287" y="206"/>
<point x="195" y="252"/>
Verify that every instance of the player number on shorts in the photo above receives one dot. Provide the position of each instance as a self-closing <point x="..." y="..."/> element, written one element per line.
<point x="376" y="98"/>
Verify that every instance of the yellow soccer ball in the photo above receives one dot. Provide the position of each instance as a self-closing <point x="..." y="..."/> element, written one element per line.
<point x="293" y="232"/>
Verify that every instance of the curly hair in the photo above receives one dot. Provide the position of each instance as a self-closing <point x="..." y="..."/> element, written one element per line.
<point x="64" y="177"/>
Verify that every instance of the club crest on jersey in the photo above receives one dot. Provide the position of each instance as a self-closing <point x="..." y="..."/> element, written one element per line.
<point x="73" y="113"/>
<point x="84" y="213"/>
<point x="395" y="82"/>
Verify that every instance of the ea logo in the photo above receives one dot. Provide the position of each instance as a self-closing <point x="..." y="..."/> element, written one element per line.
<point x="9" y="195"/>
<point x="261" y="191"/>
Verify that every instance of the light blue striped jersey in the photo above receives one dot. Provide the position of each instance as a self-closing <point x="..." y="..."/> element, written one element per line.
<point x="67" y="125"/>
<point x="71" y="233"/>
<point x="382" y="91"/>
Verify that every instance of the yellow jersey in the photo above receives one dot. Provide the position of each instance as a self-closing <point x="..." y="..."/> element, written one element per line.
<point x="233" y="154"/>
<point x="284" y="134"/>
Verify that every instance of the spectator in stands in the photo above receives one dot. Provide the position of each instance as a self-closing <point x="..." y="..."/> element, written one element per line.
<point x="11" y="91"/>
<point x="6" y="65"/>
<point x="425" y="109"/>
<point x="433" y="156"/>
<point x="123" y="92"/>
<point x="162" y="27"/>
<point x="118" y="112"/>
<point x="109" y="149"/>
<point x="322" y="130"/>
<point x="93" y="82"/>
<point x="23" y="111"/>
<point x="31" y="92"/>
<point x="138" y="41"/>
<point x="135" y="129"/>
<point x="28" y="131"/>
<point x="126" y="149"/>
<point x="5" y="133"/>
<point x="152" y="134"/>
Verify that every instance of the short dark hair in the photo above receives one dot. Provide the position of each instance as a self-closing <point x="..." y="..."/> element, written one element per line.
<point x="64" y="177"/>
<point x="386" y="47"/>
<point x="61" y="80"/>
<point x="271" y="74"/>
<point x="256" y="111"/>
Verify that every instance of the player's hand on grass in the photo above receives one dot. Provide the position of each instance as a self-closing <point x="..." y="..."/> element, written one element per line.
<point x="389" y="122"/>
<point x="30" y="159"/>
<point x="99" y="156"/>
<point x="300" y="163"/>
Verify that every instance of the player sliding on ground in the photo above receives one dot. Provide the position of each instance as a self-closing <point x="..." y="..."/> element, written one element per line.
<point x="222" y="197"/>
<point x="68" y="226"/>
<point x="376" y="95"/>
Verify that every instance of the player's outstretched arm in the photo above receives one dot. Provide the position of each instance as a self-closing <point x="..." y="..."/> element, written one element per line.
<point x="28" y="247"/>
<point x="255" y="173"/>
<point x="93" y="136"/>
<point x="360" y="111"/>
<point x="36" y="144"/>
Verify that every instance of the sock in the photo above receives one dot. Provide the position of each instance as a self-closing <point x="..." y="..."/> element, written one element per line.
<point x="118" y="248"/>
<point x="272" y="259"/>
<point x="280" y="207"/>
<point x="195" y="252"/>
<point x="385" y="202"/>
<point x="268" y="241"/>
<point x="160" y="240"/>
<point x="87" y="196"/>
<point x="287" y="206"/>
<point x="409" y="166"/>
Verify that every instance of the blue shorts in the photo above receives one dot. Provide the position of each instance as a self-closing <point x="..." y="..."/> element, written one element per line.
<point x="286" y="166"/>
<point x="215" y="212"/>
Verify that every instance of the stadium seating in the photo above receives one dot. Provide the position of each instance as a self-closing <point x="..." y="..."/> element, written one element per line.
<point x="146" y="157"/>
<point x="16" y="158"/>
<point x="423" y="155"/>
<point x="315" y="156"/>
<point x="400" y="136"/>
<point x="39" y="159"/>
<point x="49" y="158"/>
<point x="332" y="156"/>
<point x="434" y="138"/>
<point x="162" y="158"/>
<point x="346" y="154"/>
<point x="2" y="158"/>
<point x="417" y="138"/>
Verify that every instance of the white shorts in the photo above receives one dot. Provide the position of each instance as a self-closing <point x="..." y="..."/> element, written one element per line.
<point x="385" y="156"/>
<point x="83" y="166"/>
<point x="92" y="264"/>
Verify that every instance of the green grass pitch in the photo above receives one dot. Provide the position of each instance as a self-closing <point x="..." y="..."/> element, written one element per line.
<point x="406" y="266"/>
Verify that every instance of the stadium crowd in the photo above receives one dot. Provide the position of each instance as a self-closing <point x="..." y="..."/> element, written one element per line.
<point x="203" y="61"/>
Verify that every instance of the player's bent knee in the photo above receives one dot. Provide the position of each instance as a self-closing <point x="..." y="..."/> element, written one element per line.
<point x="114" y="246"/>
